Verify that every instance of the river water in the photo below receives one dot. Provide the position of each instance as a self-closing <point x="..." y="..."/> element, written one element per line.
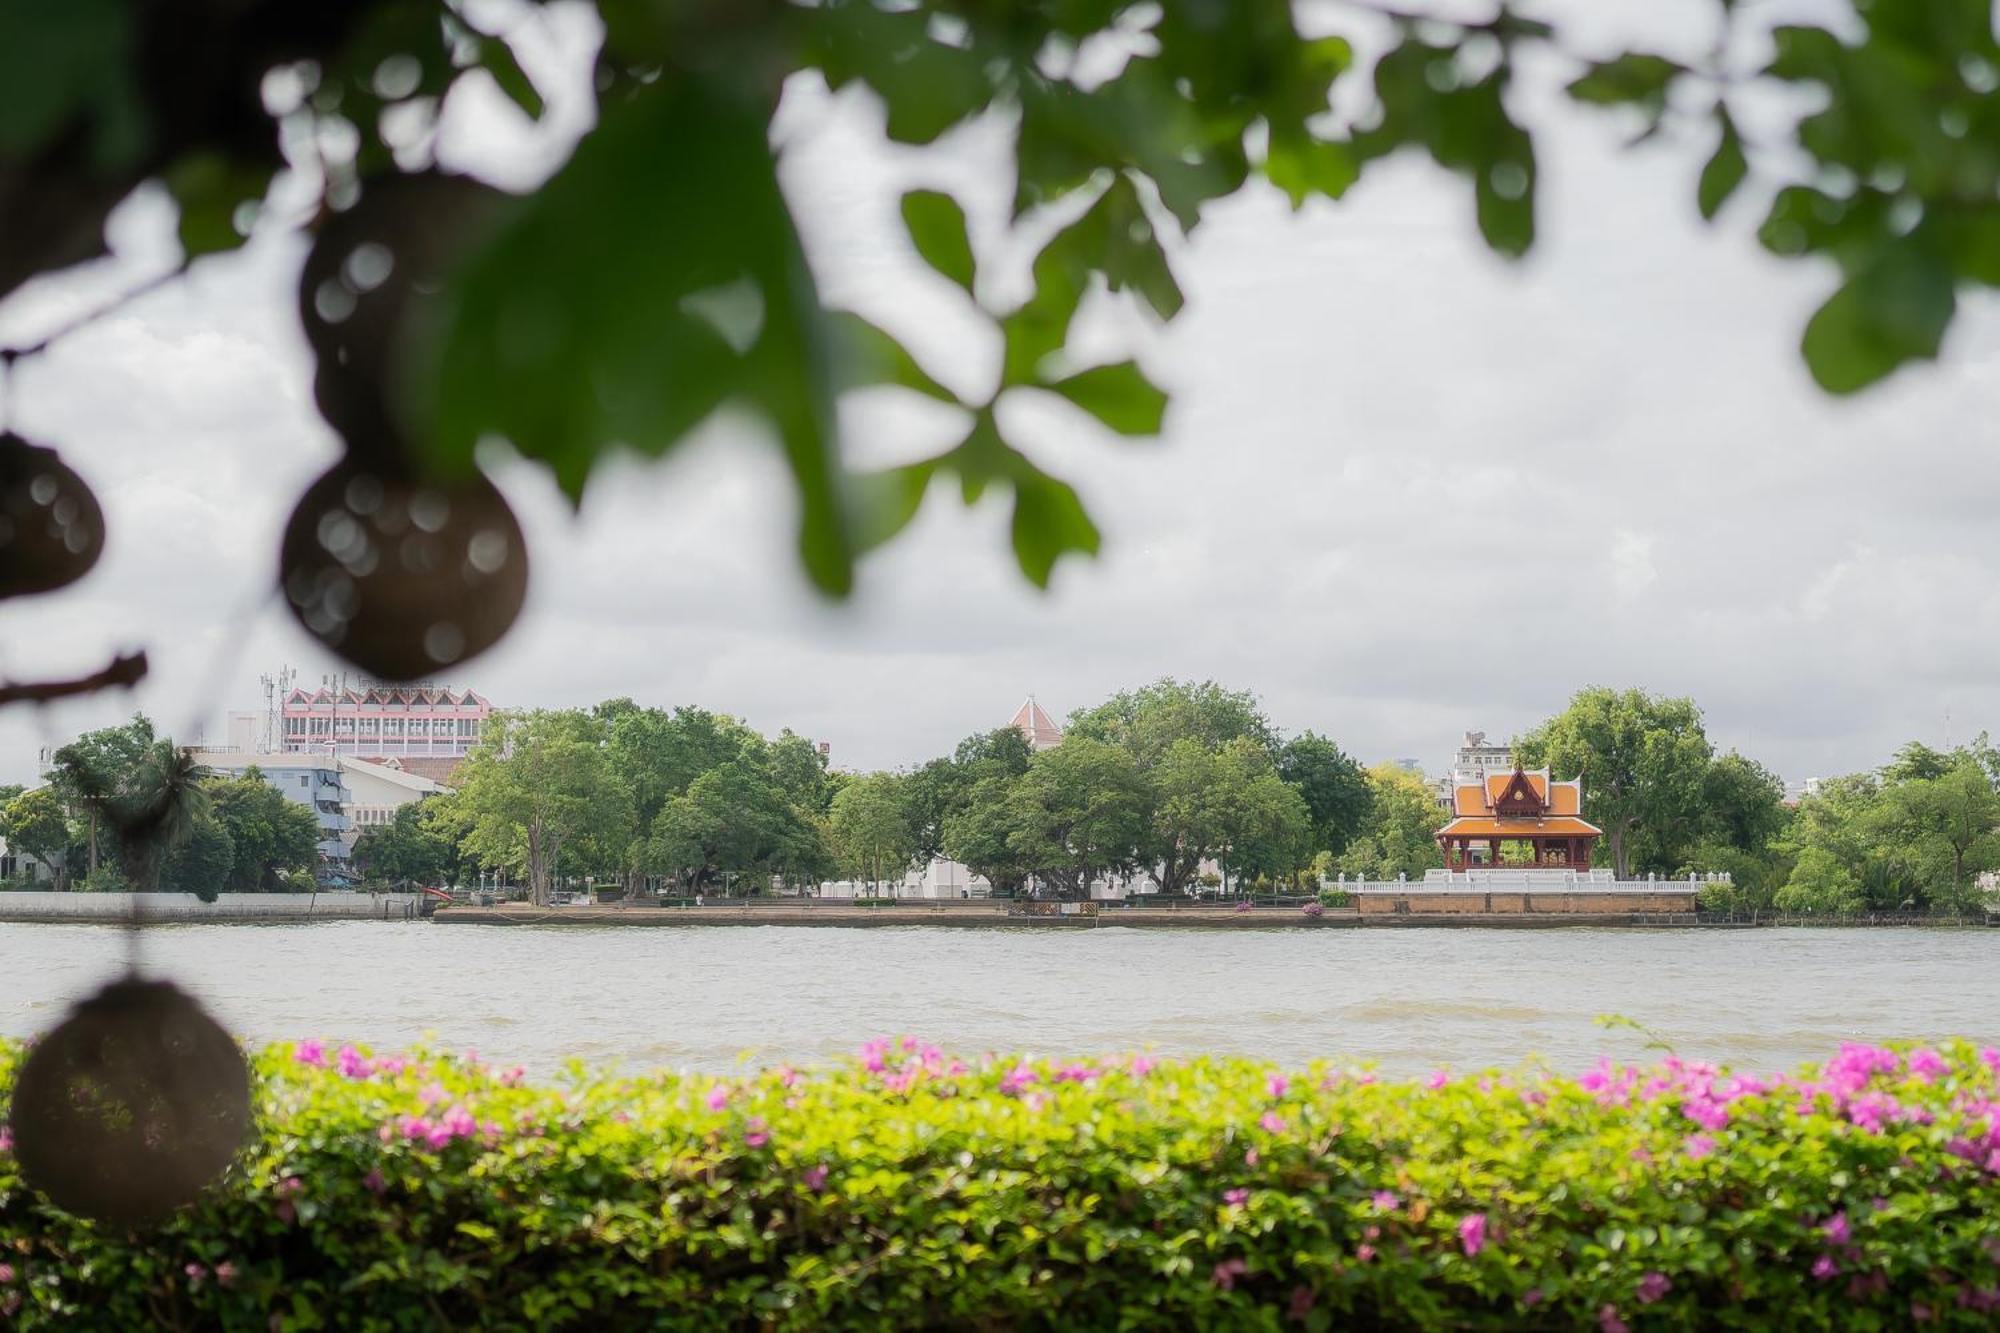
<point x="696" y="997"/>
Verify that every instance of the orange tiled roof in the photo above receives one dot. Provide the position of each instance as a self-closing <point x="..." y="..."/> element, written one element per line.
<point x="1487" y="826"/>
<point x="1566" y="798"/>
<point x="1496" y="783"/>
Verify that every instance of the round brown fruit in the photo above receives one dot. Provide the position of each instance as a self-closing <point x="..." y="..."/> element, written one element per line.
<point x="51" y="528"/>
<point x="400" y="577"/>
<point x="369" y="293"/>
<point x="132" y="1106"/>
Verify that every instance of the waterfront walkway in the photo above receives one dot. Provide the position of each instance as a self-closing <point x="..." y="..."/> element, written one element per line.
<point x="977" y="914"/>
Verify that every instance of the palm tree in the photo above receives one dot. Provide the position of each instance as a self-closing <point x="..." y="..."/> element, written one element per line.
<point x="159" y="810"/>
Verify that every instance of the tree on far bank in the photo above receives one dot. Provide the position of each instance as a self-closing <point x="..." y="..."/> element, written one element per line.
<point x="734" y="820"/>
<point x="1335" y="789"/>
<point x="871" y="829"/>
<point x="270" y="837"/>
<point x="1643" y="762"/>
<point x="1820" y="885"/>
<point x="1079" y="813"/>
<point x="203" y="863"/>
<point x="97" y="770"/>
<point x="406" y="850"/>
<point x="37" y="823"/>
<point x="979" y="835"/>
<point x="538" y="783"/>
<point x="1146" y="722"/>
<point x="1399" y="834"/>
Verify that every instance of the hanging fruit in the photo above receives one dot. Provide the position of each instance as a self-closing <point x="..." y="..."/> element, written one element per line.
<point x="51" y="528"/>
<point x="399" y="573"/>
<point x="403" y="578"/>
<point x="132" y="1106"/>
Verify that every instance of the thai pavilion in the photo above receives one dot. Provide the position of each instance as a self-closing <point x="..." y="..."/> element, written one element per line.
<point x="1524" y="808"/>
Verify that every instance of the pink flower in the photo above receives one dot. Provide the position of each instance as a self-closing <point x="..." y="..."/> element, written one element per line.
<point x="351" y="1063"/>
<point x="1228" y="1271"/>
<point x="289" y="1186"/>
<point x="1387" y="1201"/>
<point x="1142" y="1065"/>
<point x="787" y="1076"/>
<point x="1075" y="1073"/>
<point x="1472" y="1234"/>
<point x="755" y="1135"/>
<point x="391" y="1065"/>
<point x="460" y="1123"/>
<point x="814" y="1178"/>
<point x="1921" y="1313"/>
<point x="196" y="1274"/>
<point x="225" y="1274"/>
<point x="309" y="1052"/>
<point x="1438" y="1078"/>
<point x="6" y="1273"/>
<point x="6" y="1139"/>
<point x="1836" y="1229"/>
<point x="286" y="1212"/>
<point x="439" y="1137"/>
<point x="1364" y="1252"/>
<point x="1824" y="1268"/>
<point x="1017" y="1078"/>
<point x="415" y="1127"/>
<point x="509" y="1077"/>
<point x="432" y="1093"/>
<point x="1271" y="1122"/>
<point x="1698" y="1146"/>
<point x="1608" y="1320"/>
<point x="1277" y="1085"/>
<point x="373" y="1181"/>
<point x="1250" y="1157"/>
<point x="1302" y="1297"/>
<point x="1927" y="1064"/>
<point x="1236" y="1197"/>
<point x="717" y="1098"/>
<point x="1531" y="1297"/>
<point x="1653" y="1286"/>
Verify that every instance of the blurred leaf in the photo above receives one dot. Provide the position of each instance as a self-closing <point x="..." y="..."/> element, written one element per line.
<point x="926" y="86"/>
<point x="1049" y="522"/>
<point x="1119" y="395"/>
<point x="1301" y="165"/>
<point x="937" y="228"/>
<point x="497" y="58"/>
<point x="209" y="189"/>
<point x="883" y="503"/>
<point x="1633" y="79"/>
<point x="1725" y="170"/>
<point x="1893" y="311"/>
<point x="867" y="355"/>
<point x="576" y="329"/>
<point x="64" y="64"/>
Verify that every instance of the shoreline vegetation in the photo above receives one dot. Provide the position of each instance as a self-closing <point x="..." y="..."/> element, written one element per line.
<point x="914" y="1188"/>
<point x="1174" y="790"/>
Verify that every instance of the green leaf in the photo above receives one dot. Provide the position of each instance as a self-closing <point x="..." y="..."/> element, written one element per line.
<point x="883" y="503"/>
<point x="937" y="227"/>
<point x="868" y="355"/>
<point x="1893" y="311"/>
<point x="1633" y="79"/>
<point x="1301" y="165"/>
<point x="1725" y="169"/>
<point x="1049" y="522"/>
<point x="497" y="58"/>
<point x="1119" y="395"/>
<point x="65" y="64"/>
<point x="569" y="348"/>
<point x="209" y="189"/>
<point x="926" y="86"/>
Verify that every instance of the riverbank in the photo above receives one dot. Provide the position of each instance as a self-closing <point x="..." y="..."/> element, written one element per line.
<point x="997" y="915"/>
<point x="228" y="908"/>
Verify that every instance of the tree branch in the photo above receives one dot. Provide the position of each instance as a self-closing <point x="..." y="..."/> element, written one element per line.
<point x="127" y="670"/>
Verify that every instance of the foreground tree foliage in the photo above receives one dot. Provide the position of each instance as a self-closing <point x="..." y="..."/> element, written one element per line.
<point x="911" y="1189"/>
<point x="663" y="271"/>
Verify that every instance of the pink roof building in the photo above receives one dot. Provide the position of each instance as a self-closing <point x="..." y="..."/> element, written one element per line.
<point x="410" y="722"/>
<point x="1034" y="723"/>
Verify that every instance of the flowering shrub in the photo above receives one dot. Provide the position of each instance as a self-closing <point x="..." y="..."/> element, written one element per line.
<point x="1313" y="909"/>
<point x="912" y="1189"/>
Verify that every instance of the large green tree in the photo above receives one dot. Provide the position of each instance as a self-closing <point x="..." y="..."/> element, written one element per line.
<point x="1398" y="836"/>
<point x="406" y="850"/>
<point x="97" y="775"/>
<point x="1643" y="761"/>
<point x="38" y="823"/>
<point x="201" y="865"/>
<point x="1147" y="722"/>
<point x="872" y="829"/>
<point x="1080" y="813"/>
<point x="1335" y="789"/>
<point x="271" y="838"/>
<point x="539" y="783"/>
<point x="979" y="834"/>
<point x="734" y="820"/>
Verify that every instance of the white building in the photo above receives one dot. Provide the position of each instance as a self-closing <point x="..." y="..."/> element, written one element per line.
<point x="1474" y="762"/>
<point x="376" y="791"/>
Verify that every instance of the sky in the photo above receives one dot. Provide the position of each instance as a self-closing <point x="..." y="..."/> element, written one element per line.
<point x="1405" y="488"/>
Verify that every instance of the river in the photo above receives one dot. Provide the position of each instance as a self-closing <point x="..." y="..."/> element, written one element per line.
<point x="1410" y="1000"/>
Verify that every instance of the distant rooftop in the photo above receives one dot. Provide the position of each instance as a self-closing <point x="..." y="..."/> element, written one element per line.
<point x="1034" y="723"/>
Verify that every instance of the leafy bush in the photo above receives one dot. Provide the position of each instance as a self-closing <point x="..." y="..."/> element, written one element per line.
<point x="914" y="1190"/>
<point x="1334" y="898"/>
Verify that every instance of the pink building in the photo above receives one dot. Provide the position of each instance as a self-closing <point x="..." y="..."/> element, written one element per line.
<point x="385" y="722"/>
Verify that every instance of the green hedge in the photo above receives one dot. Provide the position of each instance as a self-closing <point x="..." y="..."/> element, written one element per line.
<point x="910" y="1190"/>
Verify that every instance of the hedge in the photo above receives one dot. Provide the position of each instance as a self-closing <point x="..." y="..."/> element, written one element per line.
<point x="911" y="1189"/>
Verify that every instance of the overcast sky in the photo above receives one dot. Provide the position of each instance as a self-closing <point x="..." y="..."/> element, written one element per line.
<point x="1405" y="489"/>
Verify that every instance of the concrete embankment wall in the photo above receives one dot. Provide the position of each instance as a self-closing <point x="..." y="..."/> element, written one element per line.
<point x="117" y="908"/>
<point x="1530" y="902"/>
